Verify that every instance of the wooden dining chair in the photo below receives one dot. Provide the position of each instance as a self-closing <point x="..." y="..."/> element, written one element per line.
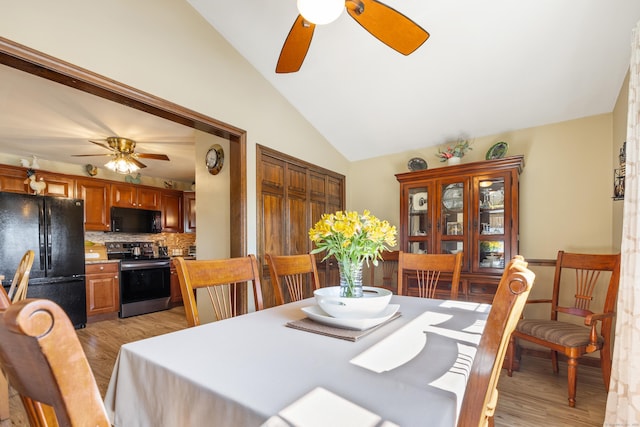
<point x="225" y="281"/>
<point x="387" y="270"/>
<point x="17" y="292"/>
<point x="295" y="274"/>
<point x="481" y="393"/>
<point x="570" y="308"/>
<point x="20" y="283"/>
<point x="426" y="270"/>
<point x="44" y="361"/>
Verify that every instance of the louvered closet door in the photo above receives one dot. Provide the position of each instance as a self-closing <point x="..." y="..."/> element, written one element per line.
<point x="293" y="195"/>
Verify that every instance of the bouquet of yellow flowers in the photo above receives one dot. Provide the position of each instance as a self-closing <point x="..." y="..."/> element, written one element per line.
<point x="352" y="238"/>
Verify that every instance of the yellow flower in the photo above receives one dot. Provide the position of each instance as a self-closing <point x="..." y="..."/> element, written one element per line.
<point x="352" y="237"/>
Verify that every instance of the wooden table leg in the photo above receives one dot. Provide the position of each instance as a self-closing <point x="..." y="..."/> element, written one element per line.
<point x="4" y="397"/>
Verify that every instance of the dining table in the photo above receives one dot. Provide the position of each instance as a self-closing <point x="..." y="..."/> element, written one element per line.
<point x="276" y="367"/>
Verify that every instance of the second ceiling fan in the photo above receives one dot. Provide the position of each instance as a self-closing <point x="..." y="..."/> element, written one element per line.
<point x="383" y="22"/>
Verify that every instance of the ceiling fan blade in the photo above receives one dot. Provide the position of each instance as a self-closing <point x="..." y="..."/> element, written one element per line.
<point x="152" y="156"/>
<point x="91" y="155"/>
<point x="137" y="163"/>
<point x="295" y="46"/>
<point x="387" y="25"/>
<point x="101" y="144"/>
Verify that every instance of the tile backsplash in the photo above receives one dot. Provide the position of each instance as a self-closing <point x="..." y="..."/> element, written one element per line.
<point x="173" y="241"/>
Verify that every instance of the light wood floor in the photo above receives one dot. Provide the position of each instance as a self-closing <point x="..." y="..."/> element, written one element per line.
<point x="533" y="397"/>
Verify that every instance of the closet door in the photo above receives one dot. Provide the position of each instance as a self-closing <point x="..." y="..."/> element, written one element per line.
<point x="292" y="196"/>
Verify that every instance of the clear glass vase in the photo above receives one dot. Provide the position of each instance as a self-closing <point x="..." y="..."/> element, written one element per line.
<point x="350" y="279"/>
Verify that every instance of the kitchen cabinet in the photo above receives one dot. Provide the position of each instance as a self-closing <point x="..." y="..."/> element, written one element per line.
<point x="103" y="290"/>
<point x="174" y="283"/>
<point x="133" y="196"/>
<point x="97" y="202"/>
<point x="57" y="185"/>
<point x="13" y="179"/>
<point x="189" y="204"/>
<point x="471" y="208"/>
<point x="171" y="206"/>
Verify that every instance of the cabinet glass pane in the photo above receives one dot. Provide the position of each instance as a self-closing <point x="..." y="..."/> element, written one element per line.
<point x="491" y="206"/>
<point x="492" y="254"/>
<point x="417" y="247"/>
<point x="418" y="212"/>
<point x="452" y="209"/>
<point x="451" y="247"/>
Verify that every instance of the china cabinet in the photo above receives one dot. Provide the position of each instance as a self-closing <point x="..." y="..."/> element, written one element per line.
<point x="471" y="208"/>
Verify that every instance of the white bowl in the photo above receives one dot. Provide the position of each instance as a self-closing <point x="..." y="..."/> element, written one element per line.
<point x="372" y="303"/>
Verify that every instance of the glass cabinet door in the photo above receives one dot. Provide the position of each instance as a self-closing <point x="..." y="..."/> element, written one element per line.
<point x="419" y="224"/>
<point x="452" y="221"/>
<point x="491" y="227"/>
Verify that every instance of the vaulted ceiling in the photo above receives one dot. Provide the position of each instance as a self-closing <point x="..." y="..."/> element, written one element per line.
<point x="488" y="67"/>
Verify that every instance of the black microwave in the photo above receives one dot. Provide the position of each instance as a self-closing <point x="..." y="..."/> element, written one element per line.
<point x="131" y="220"/>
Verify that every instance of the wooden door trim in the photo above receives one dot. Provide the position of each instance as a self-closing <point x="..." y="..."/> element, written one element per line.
<point x="40" y="64"/>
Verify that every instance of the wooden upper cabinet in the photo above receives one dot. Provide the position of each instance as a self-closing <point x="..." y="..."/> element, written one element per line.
<point x="132" y="196"/>
<point x="189" y="204"/>
<point x="171" y="206"/>
<point x="97" y="201"/>
<point x="57" y="185"/>
<point x="12" y="179"/>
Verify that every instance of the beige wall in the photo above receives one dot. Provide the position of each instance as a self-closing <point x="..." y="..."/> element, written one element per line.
<point x="165" y="48"/>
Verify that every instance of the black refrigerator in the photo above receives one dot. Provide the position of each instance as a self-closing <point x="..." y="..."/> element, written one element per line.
<point x="53" y="227"/>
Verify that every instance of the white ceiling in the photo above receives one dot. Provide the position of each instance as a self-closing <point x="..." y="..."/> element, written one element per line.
<point x="54" y="122"/>
<point x="489" y="67"/>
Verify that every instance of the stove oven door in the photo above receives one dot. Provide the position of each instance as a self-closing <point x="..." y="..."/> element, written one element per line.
<point x="144" y="287"/>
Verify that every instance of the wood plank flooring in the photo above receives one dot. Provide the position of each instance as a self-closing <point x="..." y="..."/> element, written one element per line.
<point x="533" y="397"/>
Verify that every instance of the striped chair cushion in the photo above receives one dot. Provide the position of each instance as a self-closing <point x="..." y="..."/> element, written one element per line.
<point x="562" y="333"/>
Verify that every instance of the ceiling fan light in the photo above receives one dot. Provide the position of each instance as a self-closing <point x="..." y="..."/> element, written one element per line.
<point x="320" y="12"/>
<point x="121" y="164"/>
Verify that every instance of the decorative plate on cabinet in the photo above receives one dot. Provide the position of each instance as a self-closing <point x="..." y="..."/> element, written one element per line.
<point x="497" y="151"/>
<point x="417" y="164"/>
<point x="452" y="197"/>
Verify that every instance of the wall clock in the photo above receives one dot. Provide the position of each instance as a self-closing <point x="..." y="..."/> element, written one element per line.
<point x="214" y="159"/>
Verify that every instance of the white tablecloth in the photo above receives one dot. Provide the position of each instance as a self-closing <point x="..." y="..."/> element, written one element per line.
<point x="252" y="369"/>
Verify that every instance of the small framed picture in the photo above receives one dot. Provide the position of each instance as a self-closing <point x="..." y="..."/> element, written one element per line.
<point x="454" y="228"/>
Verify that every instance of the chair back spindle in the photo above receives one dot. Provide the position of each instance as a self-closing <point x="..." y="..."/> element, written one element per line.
<point x="295" y="274"/>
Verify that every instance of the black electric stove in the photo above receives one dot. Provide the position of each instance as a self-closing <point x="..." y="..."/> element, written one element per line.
<point x="144" y="279"/>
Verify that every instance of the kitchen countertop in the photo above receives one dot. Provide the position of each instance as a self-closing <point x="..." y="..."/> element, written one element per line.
<point x="100" y="261"/>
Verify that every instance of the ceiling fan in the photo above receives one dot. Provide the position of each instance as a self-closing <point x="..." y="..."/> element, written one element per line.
<point x="383" y="22"/>
<point x="123" y="158"/>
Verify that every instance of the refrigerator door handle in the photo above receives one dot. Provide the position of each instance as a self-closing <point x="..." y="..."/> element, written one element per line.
<point x="41" y="237"/>
<point x="49" y="260"/>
